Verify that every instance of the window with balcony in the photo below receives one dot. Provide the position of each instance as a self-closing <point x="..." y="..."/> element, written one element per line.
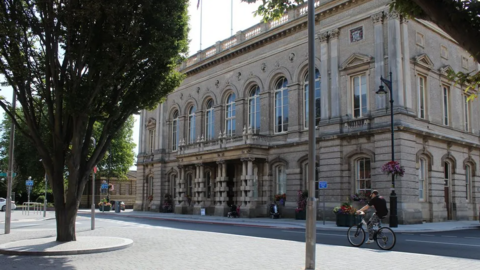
<point x="209" y="121"/>
<point x="175" y="133"/>
<point x="254" y="109"/>
<point x="230" y="115"/>
<point x="360" y="98"/>
<point x="191" y="124"/>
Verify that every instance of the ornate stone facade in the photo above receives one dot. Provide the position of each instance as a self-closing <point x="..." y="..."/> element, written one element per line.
<point x="235" y="131"/>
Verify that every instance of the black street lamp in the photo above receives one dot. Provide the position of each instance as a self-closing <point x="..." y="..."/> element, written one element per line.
<point x="393" y="195"/>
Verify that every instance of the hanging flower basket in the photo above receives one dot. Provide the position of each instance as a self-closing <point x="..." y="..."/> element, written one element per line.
<point x="393" y="167"/>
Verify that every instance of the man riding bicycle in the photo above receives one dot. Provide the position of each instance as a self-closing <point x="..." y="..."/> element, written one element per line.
<point x="381" y="211"/>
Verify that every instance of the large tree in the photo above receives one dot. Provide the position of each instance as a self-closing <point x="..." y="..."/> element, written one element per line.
<point x="86" y="62"/>
<point x="458" y="18"/>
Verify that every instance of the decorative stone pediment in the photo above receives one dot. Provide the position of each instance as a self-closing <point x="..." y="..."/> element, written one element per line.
<point x="424" y="61"/>
<point x="355" y="60"/>
<point x="151" y="123"/>
<point x="443" y="70"/>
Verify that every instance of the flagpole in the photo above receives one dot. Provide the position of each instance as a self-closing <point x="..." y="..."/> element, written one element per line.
<point x="201" y="11"/>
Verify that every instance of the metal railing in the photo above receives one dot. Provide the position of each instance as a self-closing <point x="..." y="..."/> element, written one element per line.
<point x="37" y="208"/>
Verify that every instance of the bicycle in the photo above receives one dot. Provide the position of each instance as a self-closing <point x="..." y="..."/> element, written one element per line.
<point x="383" y="236"/>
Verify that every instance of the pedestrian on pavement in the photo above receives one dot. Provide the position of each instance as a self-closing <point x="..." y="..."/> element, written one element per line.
<point x="381" y="211"/>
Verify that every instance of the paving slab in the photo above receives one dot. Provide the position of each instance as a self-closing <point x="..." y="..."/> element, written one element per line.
<point x="50" y="247"/>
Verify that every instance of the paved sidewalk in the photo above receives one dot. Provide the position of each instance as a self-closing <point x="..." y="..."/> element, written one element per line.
<point x="287" y="223"/>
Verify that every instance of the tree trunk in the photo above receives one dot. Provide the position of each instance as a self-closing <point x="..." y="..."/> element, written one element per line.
<point x="66" y="218"/>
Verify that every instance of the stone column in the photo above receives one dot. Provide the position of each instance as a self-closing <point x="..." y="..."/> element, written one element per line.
<point x="324" y="112"/>
<point x="221" y="199"/>
<point x="181" y="204"/>
<point x="334" y="88"/>
<point x="395" y="58"/>
<point x="380" y="101"/>
<point x="142" y="132"/>
<point x="406" y="66"/>
<point x="294" y="122"/>
<point x="218" y="121"/>
<point x="240" y="107"/>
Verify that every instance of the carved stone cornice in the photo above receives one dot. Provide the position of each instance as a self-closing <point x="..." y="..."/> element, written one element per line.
<point x="335" y="33"/>
<point x="323" y="37"/>
<point x="403" y="19"/>
<point x="393" y="15"/>
<point x="378" y="17"/>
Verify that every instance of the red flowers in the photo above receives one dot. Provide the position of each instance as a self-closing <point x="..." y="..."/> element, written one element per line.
<point x="393" y="167"/>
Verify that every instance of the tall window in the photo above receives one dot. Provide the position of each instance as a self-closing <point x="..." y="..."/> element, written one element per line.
<point x="189" y="185"/>
<point x="466" y="113"/>
<point x="281" y="179"/>
<point x="191" y="124"/>
<point x="175" y="132"/>
<point x="360" y="103"/>
<point x="254" y="109"/>
<point x="209" y="121"/>
<point x="151" y="138"/>
<point x="317" y="98"/>
<point x="173" y="180"/>
<point x="421" y="97"/>
<point x="363" y="179"/>
<point x="468" y="182"/>
<point x="281" y="105"/>
<point x="446" y="106"/>
<point x="446" y="173"/>
<point x="422" y="173"/>
<point x="208" y="181"/>
<point x="230" y="115"/>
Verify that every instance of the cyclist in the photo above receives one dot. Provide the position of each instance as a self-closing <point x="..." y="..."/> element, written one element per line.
<point x="380" y="212"/>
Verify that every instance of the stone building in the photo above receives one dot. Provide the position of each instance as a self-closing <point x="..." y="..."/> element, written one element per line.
<point x="120" y="190"/>
<point x="236" y="131"/>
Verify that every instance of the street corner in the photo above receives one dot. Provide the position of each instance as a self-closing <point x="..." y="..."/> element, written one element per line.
<point x="50" y="247"/>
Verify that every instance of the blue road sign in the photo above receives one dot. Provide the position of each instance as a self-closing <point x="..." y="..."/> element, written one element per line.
<point x="29" y="183"/>
<point x="104" y="186"/>
<point x="322" y="184"/>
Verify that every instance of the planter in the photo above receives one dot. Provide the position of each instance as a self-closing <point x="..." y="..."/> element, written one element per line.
<point x="347" y="220"/>
<point x="105" y="207"/>
<point x="300" y="215"/>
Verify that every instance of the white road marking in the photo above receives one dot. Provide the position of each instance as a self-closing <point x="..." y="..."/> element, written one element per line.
<point x="430" y="235"/>
<point x="341" y="235"/>
<point x="433" y="242"/>
<point x="451" y="236"/>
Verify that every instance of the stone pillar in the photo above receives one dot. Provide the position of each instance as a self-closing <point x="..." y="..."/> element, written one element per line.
<point x="221" y="207"/>
<point x="334" y="87"/>
<point x="406" y="67"/>
<point x="294" y="121"/>
<point x="395" y="58"/>
<point x="199" y="189"/>
<point x="240" y="121"/>
<point x="142" y="132"/>
<point x="325" y="90"/>
<point x="380" y="101"/>
<point x="181" y="205"/>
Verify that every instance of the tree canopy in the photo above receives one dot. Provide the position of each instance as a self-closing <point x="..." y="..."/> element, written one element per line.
<point x="84" y="63"/>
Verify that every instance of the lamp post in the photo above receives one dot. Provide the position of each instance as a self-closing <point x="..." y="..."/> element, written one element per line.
<point x="393" y="195"/>
<point x="93" y="188"/>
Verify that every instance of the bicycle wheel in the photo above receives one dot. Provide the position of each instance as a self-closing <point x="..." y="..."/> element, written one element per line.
<point x="356" y="235"/>
<point x="386" y="238"/>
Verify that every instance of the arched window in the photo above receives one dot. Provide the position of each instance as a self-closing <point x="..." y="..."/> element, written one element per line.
<point x="317" y="99"/>
<point x="230" y="115"/>
<point x="175" y="132"/>
<point x="422" y="177"/>
<point x="363" y="180"/>
<point x="280" y="179"/>
<point x="447" y="173"/>
<point x="191" y="124"/>
<point x="209" y="121"/>
<point x="468" y="182"/>
<point x="254" y="109"/>
<point x="281" y="106"/>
